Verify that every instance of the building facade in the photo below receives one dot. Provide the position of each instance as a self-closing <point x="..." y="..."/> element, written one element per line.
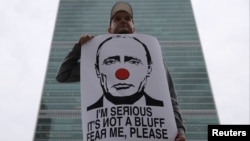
<point x="171" y="21"/>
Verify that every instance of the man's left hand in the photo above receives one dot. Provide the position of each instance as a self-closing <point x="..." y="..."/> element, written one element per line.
<point x="180" y="137"/>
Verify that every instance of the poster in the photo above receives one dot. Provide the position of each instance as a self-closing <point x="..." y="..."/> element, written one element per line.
<point x="124" y="90"/>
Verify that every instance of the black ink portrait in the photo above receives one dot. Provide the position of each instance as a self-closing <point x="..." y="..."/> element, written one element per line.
<point x="123" y="71"/>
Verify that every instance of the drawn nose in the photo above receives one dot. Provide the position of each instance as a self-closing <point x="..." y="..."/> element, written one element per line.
<point x="122" y="74"/>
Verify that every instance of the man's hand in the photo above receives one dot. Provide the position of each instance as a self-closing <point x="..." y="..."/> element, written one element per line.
<point x="84" y="39"/>
<point x="180" y="137"/>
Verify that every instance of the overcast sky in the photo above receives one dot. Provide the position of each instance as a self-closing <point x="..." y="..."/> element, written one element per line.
<point x="26" y="30"/>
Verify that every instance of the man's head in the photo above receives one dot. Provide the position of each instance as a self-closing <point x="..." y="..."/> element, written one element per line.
<point x="121" y="19"/>
<point x="123" y="72"/>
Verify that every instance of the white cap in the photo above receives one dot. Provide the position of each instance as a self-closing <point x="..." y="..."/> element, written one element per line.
<point x="121" y="6"/>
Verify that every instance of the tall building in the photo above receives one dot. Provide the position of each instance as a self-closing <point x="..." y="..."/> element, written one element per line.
<point x="171" y="21"/>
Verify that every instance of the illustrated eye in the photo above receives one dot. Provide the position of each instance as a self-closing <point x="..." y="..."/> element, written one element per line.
<point x="135" y="61"/>
<point x="109" y="61"/>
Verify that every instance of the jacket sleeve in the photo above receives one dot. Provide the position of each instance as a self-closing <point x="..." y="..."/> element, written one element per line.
<point x="175" y="103"/>
<point x="69" y="70"/>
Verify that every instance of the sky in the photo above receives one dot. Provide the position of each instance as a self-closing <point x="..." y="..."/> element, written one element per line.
<point x="26" y="31"/>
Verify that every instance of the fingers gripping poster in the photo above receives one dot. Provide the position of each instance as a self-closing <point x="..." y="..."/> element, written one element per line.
<point x="124" y="90"/>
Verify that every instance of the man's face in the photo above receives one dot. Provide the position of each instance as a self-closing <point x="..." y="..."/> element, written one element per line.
<point x="124" y="72"/>
<point x="121" y="23"/>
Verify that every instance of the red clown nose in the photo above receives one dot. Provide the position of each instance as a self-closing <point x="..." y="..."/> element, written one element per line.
<point x="122" y="74"/>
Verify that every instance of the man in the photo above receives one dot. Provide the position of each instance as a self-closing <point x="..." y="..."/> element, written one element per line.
<point x="125" y="70"/>
<point x="121" y="22"/>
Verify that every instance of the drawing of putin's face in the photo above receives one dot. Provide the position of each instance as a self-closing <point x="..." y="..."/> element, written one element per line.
<point x="123" y="65"/>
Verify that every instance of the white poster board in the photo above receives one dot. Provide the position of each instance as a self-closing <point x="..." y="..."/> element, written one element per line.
<point x="124" y="90"/>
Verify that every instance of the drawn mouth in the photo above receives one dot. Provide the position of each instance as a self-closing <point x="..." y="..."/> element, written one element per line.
<point x="122" y="86"/>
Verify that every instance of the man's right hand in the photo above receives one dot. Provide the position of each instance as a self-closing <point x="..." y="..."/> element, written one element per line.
<point x="85" y="38"/>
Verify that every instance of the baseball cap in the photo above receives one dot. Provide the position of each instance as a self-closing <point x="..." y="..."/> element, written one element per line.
<point x="121" y="6"/>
